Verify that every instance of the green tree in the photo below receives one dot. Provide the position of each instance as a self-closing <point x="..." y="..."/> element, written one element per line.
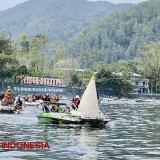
<point x="25" y="44"/>
<point x="7" y="59"/>
<point x="20" y="71"/>
<point x="151" y="64"/>
<point x="108" y="81"/>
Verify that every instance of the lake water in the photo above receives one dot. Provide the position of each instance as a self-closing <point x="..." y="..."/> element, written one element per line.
<point x="133" y="133"/>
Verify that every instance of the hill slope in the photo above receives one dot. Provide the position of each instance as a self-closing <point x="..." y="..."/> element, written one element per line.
<point x="121" y="35"/>
<point x="60" y="19"/>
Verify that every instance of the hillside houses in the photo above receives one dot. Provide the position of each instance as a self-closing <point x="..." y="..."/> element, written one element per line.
<point x="140" y="85"/>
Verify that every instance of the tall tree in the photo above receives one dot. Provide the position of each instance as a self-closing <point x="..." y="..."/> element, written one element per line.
<point x="8" y="61"/>
<point x="107" y="81"/>
<point x="151" y="61"/>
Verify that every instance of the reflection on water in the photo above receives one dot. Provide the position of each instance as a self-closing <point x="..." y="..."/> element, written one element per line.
<point x="132" y="133"/>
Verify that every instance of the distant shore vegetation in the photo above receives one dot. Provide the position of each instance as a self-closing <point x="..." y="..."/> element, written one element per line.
<point x="39" y="57"/>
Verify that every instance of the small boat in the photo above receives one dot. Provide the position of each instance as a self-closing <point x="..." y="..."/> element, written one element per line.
<point x="7" y="104"/>
<point x="139" y="100"/>
<point x="124" y="99"/>
<point x="145" y="100"/>
<point x="88" y="111"/>
<point x="31" y="103"/>
<point x="63" y="98"/>
<point x="48" y="116"/>
<point x="7" y="109"/>
<point x="111" y="98"/>
<point x="149" y="100"/>
<point x="10" y="109"/>
<point x="107" y="99"/>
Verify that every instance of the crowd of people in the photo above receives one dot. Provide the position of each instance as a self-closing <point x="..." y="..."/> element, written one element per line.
<point x="19" y="100"/>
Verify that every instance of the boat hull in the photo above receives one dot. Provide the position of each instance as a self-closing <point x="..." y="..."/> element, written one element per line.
<point x="95" y="122"/>
<point x="58" y="118"/>
<point x="9" y="109"/>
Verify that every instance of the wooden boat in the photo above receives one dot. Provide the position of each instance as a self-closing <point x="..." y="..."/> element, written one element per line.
<point x="87" y="113"/>
<point x="7" y="104"/>
<point x="10" y="109"/>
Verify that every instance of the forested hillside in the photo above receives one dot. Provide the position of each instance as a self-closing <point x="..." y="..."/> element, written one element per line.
<point x="58" y="19"/>
<point x="120" y="36"/>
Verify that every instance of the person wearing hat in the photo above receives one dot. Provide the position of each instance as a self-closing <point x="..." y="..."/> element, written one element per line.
<point x="75" y="102"/>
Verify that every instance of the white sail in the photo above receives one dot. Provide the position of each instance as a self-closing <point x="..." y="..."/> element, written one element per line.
<point x="89" y="102"/>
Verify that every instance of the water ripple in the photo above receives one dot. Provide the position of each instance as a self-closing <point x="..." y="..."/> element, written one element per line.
<point x="132" y="134"/>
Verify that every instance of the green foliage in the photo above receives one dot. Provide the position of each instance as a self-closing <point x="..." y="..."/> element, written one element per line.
<point x="32" y="53"/>
<point x="75" y="81"/>
<point x="107" y="81"/>
<point x="24" y="43"/>
<point x="9" y="65"/>
<point x="59" y="19"/>
<point x="151" y="62"/>
<point x="120" y="36"/>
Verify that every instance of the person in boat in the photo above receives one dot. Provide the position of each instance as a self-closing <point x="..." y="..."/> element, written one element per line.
<point x="56" y="98"/>
<point x="75" y="102"/>
<point x="8" y="98"/>
<point x="26" y="98"/>
<point x="55" y="108"/>
<point x="67" y="110"/>
<point x="98" y="98"/>
<point x="47" y="97"/>
<point x="2" y="96"/>
<point x="19" y="102"/>
<point x="33" y="97"/>
<point x="43" y="97"/>
<point x="37" y="97"/>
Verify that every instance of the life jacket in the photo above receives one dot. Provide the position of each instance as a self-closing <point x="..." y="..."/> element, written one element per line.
<point x="75" y="101"/>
